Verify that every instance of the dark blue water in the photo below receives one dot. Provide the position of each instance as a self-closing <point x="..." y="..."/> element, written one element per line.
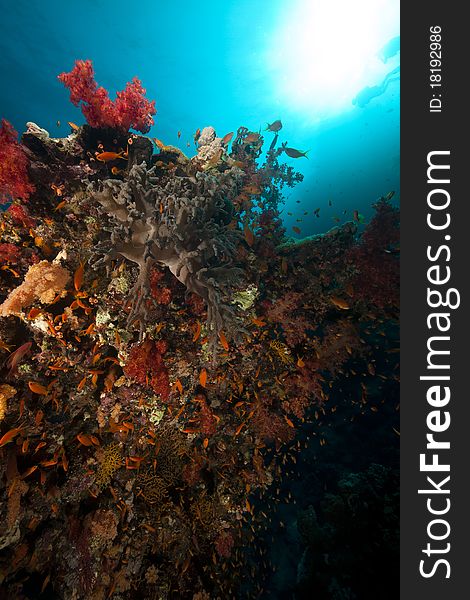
<point x="226" y="64"/>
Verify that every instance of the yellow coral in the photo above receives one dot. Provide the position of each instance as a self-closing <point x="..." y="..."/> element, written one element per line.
<point x="110" y="463"/>
<point x="152" y="488"/>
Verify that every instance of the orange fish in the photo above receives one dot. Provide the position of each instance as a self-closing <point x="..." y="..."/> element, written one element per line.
<point x="78" y="277"/>
<point x="258" y="322"/>
<point x="29" y="471"/>
<point x="296" y="229"/>
<point x="60" y="205"/>
<point x="205" y="443"/>
<point x="179" y="386"/>
<point x="37" y="388"/>
<point x="249" y="235"/>
<point x="49" y="463"/>
<point x="108" y="156"/>
<point x="197" y="332"/>
<point x="237" y="432"/>
<point x="9" y="436"/>
<point x="226" y="139"/>
<point x="16" y="356"/>
<point x="73" y="126"/>
<point x="84" y="439"/>
<point x="65" y="462"/>
<point x="197" y="135"/>
<point x="179" y="134"/>
<point x="289" y="422"/>
<point x="223" y="341"/>
<point x="339" y="303"/>
<point x="39" y="446"/>
<point x="158" y="143"/>
<point x="300" y="363"/>
<point x="203" y="378"/>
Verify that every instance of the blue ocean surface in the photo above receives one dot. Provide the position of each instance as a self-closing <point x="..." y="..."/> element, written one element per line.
<point x="329" y="71"/>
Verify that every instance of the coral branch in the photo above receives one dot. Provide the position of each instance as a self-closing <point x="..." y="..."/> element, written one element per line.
<point x="130" y="110"/>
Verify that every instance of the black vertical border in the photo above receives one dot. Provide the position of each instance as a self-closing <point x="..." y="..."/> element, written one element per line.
<point x="422" y="132"/>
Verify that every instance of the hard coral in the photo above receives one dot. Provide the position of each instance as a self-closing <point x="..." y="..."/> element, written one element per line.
<point x="14" y="179"/>
<point x="130" y="109"/>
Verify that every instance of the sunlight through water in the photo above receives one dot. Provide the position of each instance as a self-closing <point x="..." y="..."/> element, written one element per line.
<point x="324" y="53"/>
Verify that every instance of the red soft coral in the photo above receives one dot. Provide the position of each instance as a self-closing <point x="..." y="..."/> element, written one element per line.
<point x="20" y="216"/>
<point x="9" y="253"/>
<point x="160" y="293"/>
<point x="146" y="366"/>
<point x="375" y="259"/>
<point x="130" y="109"/>
<point x="285" y="311"/>
<point x="14" y="179"/>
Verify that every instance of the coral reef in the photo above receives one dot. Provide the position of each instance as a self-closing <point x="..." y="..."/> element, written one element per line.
<point x="141" y="461"/>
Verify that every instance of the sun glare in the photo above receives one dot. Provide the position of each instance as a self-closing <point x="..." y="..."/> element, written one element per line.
<point x="325" y="52"/>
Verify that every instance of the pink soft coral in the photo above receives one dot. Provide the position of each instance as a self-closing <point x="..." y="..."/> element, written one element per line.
<point x="14" y="179"/>
<point x="130" y="109"/>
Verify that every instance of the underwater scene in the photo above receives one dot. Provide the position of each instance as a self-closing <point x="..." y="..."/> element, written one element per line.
<point x="199" y="300"/>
